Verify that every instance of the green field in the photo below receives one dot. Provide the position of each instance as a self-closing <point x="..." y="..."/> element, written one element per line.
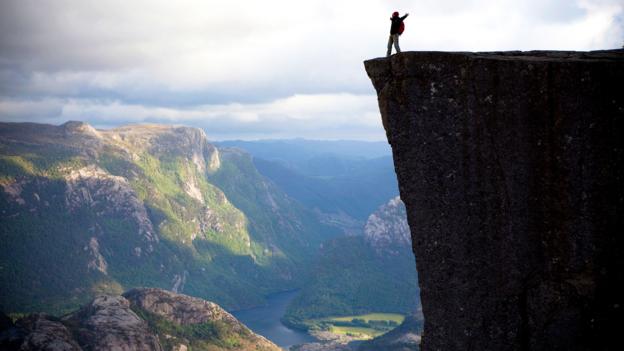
<point x="398" y="318"/>
<point x="363" y="327"/>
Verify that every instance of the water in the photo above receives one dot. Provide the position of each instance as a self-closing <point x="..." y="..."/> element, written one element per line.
<point x="265" y="321"/>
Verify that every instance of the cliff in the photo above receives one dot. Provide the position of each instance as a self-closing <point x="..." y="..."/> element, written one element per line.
<point x="510" y="166"/>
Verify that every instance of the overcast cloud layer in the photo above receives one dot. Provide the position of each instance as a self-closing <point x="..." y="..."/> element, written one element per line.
<point x="253" y="69"/>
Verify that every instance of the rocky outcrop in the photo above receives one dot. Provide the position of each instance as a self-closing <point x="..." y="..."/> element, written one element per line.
<point x="79" y="129"/>
<point x="177" y="308"/>
<point x="510" y="166"/>
<point x="108" y="195"/>
<point x="161" y="140"/>
<point x="132" y="324"/>
<point x="108" y="323"/>
<point x="387" y="227"/>
<point x="37" y="332"/>
<point x="187" y="310"/>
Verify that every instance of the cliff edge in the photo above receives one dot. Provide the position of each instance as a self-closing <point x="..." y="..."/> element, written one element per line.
<point x="510" y="166"/>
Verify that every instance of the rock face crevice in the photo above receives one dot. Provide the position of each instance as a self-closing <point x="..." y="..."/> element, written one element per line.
<point x="510" y="166"/>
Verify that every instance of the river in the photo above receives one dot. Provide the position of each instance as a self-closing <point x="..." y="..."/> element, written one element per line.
<point x="265" y="320"/>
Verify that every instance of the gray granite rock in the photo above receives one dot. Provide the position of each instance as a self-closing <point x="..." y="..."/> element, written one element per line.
<point x="179" y="308"/>
<point x="108" y="323"/>
<point x="187" y="310"/>
<point x="387" y="228"/>
<point x="38" y="332"/>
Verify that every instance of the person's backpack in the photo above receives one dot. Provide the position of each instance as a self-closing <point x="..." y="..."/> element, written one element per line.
<point x="401" y="28"/>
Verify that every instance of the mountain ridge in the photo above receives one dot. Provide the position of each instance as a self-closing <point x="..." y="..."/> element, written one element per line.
<point x="141" y="205"/>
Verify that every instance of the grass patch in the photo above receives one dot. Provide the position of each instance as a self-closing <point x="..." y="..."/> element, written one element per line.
<point x="362" y="327"/>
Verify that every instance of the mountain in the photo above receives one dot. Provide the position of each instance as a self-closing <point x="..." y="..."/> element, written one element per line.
<point x="288" y="228"/>
<point x="310" y="156"/>
<point x="85" y="211"/>
<point x="342" y="180"/>
<point x="362" y="274"/>
<point x="140" y="319"/>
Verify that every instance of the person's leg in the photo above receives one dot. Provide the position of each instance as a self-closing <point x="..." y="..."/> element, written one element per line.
<point x="389" y="46"/>
<point x="396" y="43"/>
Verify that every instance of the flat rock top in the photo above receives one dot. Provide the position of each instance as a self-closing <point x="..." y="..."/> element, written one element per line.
<point x="428" y="64"/>
<point x="562" y="56"/>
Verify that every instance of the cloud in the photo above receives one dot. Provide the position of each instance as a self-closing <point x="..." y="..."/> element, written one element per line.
<point x="333" y="116"/>
<point x="188" y="55"/>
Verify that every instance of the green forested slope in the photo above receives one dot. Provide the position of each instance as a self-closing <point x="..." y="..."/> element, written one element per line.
<point x="85" y="211"/>
<point x="338" y="178"/>
<point x="355" y="275"/>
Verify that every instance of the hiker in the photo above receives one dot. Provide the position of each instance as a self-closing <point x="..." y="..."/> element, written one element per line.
<point x="396" y="29"/>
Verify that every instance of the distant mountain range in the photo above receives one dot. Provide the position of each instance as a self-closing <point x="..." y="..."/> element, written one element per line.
<point x="86" y="211"/>
<point x="346" y="180"/>
<point x="301" y="154"/>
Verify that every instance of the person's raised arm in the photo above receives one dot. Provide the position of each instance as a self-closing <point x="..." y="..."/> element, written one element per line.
<point x="402" y="18"/>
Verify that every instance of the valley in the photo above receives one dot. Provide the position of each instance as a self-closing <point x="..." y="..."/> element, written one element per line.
<point x="104" y="211"/>
<point x="266" y="320"/>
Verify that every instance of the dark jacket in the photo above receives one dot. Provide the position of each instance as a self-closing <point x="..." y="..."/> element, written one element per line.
<point x="396" y="23"/>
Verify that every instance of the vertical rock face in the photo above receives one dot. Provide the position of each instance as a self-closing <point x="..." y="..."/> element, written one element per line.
<point x="510" y="166"/>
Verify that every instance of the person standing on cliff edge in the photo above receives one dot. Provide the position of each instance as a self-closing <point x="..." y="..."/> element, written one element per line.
<point x="396" y="29"/>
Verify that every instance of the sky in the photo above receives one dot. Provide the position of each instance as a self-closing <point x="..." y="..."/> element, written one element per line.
<point x="253" y="69"/>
